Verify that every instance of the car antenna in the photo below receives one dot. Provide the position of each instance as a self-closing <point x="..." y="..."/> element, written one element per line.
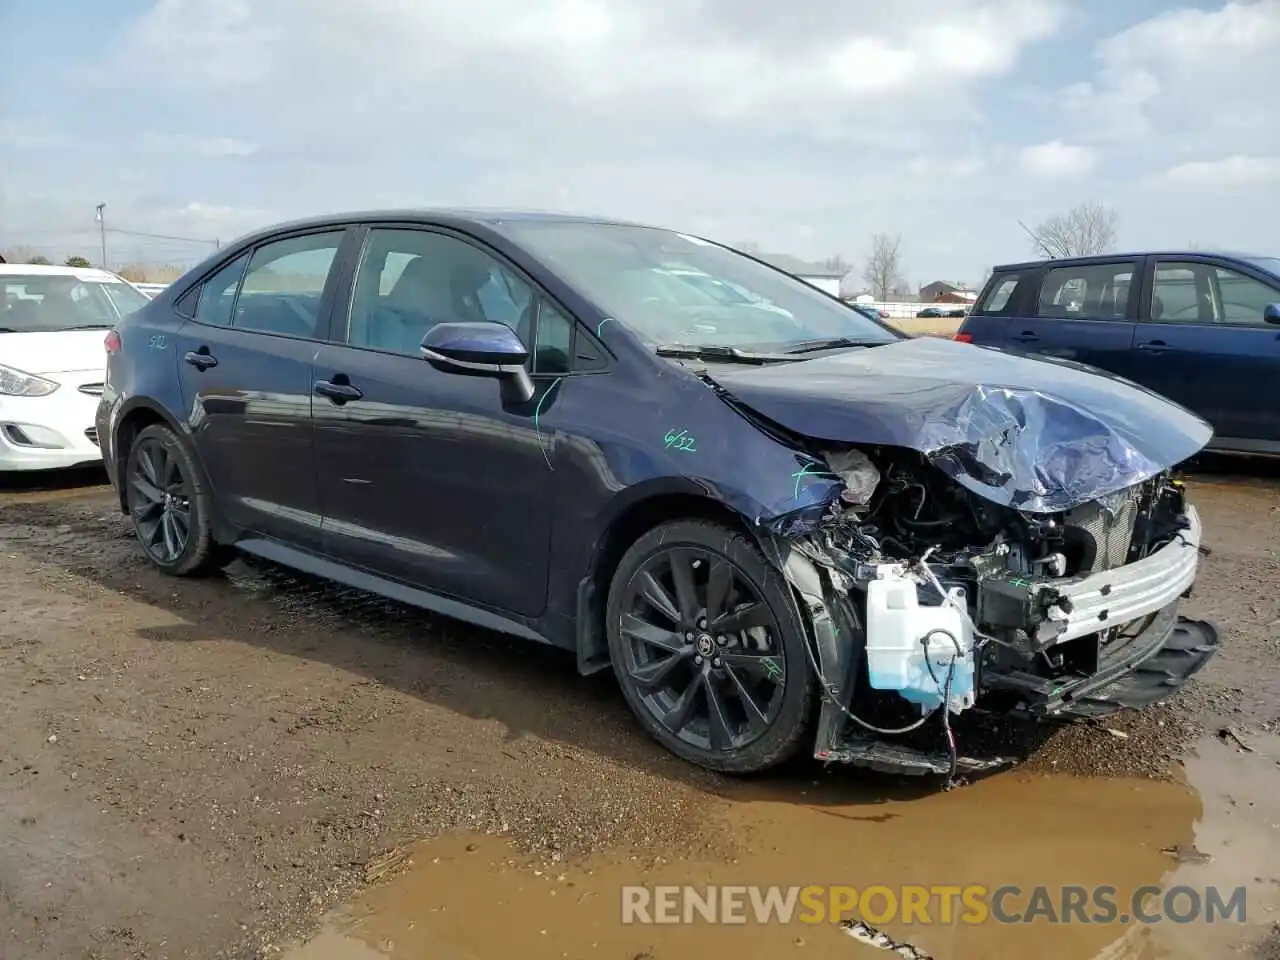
<point x="1037" y="241"/>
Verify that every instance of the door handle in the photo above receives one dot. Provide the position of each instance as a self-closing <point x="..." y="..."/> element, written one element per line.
<point x="339" y="393"/>
<point x="1154" y="346"/>
<point x="201" y="359"/>
<point x="1026" y="336"/>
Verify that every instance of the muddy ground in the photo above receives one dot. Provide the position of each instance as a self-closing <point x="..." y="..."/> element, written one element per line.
<point x="221" y="768"/>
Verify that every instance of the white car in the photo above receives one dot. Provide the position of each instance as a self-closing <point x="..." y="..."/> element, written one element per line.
<point x="53" y="322"/>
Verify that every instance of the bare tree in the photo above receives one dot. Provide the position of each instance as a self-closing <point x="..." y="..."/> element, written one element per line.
<point x="749" y="247"/>
<point x="23" y="254"/>
<point x="836" y="264"/>
<point x="1085" y="230"/>
<point x="883" y="271"/>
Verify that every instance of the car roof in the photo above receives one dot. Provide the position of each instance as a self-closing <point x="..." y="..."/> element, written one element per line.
<point x="51" y="270"/>
<point x="1233" y="257"/>
<point x="458" y="216"/>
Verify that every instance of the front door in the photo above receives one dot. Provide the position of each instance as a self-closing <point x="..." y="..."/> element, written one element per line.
<point x="1204" y="343"/>
<point x="426" y="476"/>
<point x="246" y="368"/>
<point x="1083" y="313"/>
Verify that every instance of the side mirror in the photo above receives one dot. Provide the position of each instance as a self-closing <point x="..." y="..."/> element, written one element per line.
<point x="481" y="350"/>
<point x="1272" y="313"/>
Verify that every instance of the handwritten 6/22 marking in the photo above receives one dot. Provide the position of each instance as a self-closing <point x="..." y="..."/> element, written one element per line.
<point x="680" y="440"/>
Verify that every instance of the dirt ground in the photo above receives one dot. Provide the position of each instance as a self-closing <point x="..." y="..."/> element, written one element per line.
<point x="218" y="769"/>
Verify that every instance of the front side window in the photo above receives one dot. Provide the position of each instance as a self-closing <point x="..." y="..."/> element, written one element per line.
<point x="45" y="302"/>
<point x="554" y="350"/>
<point x="671" y="288"/>
<point x="1242" y="299"/>
<point x="284" y="283"/>
<point x="410" y="280"/>
<point x="1093" y="292"/>
<point x="1192" y="292"/>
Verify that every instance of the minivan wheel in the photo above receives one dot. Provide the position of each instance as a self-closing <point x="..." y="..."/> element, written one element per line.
<point x="707" y="647"/>
<point x="169" y="505"/>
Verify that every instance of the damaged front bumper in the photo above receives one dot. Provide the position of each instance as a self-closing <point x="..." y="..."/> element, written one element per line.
<point x="1139" y="649"/>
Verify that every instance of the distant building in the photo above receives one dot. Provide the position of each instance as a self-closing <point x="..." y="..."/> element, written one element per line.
<point x="824" y="278"/>
<point x="940" y="291"/>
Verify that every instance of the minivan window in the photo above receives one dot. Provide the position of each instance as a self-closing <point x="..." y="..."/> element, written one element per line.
<point x="1180" y="293"/>
<point x="1242" y="299"/>
<point x="1206" y="293"/>
<point x="1001" y="292"/>
<point x="1098" y="291"/>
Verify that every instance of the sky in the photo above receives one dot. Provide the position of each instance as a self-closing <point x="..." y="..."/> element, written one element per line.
<point x="803" y="127"/>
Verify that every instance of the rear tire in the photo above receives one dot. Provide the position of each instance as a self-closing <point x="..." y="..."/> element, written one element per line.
<point x="170" y="505"/>
<point x="707" y="647"/>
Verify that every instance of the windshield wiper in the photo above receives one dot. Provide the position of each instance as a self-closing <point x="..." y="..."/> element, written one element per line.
<point x="79" y="326"/>
<point x="716" y="351"/>
<point x="831" y="343"/>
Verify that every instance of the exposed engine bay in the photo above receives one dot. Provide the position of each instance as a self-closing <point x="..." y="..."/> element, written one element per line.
<point x="957" y="602"/>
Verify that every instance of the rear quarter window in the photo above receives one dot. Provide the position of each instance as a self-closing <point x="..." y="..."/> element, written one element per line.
<point x="998" y="297"/>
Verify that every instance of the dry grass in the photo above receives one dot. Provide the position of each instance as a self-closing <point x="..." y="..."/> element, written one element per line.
<point x="927" y="326"/>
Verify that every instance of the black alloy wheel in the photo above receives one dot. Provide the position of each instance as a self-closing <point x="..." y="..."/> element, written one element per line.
<point x="707" y="650"/>
<point x="160" y="501"/>
<point x="170" y="505"/>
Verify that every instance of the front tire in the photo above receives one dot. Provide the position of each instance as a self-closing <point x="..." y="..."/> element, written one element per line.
<point x="170" y="505"/>
<point x="707" y="647"/>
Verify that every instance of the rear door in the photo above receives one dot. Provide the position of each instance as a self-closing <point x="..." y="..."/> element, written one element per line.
<point x="1083" y="312"/>
<point x="1203" y="342"/>
<point x="245" y="362"/>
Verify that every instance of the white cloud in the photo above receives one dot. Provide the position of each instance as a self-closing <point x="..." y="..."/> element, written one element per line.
<point x="805" y="126"/>
<point x="1187" y="78"/>
<point x="181" y="143"/>
<point x="1058" y="160"/>
<point x="651" y="56"/>
<point x="1236" y="171"/>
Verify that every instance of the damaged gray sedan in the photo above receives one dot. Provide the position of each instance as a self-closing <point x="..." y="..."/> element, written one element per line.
<point x="782" y="524"/>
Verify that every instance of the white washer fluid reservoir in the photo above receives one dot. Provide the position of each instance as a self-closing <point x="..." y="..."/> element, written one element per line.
<point x="901" y="633"/>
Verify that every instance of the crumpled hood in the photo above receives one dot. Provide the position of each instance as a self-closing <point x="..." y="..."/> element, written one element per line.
<point x="54" y="351"/>
<point x="1040" y="435"/>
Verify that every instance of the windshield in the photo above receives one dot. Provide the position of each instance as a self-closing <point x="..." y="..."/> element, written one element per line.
<point x="43" y="302"/>
<point x="1270" y="264"/>
<point x="671" y="288"/>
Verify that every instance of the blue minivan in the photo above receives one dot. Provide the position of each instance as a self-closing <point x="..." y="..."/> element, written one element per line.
<point x="1203" y="329"/>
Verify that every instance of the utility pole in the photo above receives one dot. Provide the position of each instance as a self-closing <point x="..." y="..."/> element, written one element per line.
<point x="102" y="232"/>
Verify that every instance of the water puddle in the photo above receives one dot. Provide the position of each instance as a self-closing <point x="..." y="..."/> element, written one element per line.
<point x="475" y="898"/>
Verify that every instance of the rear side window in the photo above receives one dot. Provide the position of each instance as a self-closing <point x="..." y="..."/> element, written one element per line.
<point x="218" y="295"/>
<point x="999" y="296"/>
<point x="284" y="283"/>
<point x="1098" y="291"/>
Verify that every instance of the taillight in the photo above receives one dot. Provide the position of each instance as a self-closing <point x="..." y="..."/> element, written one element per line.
<point x="963" y="337"/>
<point x="112" y="343"/>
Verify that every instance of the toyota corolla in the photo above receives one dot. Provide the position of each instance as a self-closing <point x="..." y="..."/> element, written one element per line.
<point x="780" y="523"/>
